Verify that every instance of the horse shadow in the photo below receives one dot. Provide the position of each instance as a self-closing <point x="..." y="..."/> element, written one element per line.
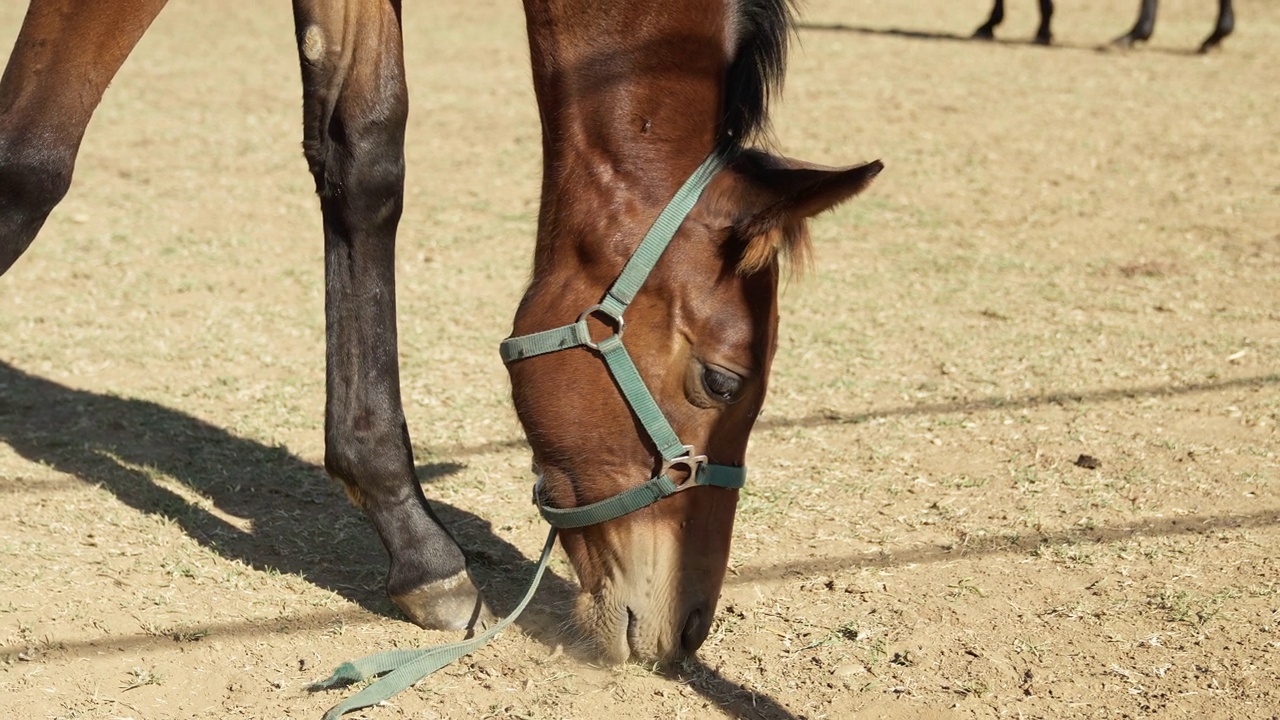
<point x="908" y="34"/>
<point x="260" y="505"/>
<point x="269" y="509"/>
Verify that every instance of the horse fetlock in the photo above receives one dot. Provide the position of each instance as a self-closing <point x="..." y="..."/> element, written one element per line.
<point x="427" y="577"/>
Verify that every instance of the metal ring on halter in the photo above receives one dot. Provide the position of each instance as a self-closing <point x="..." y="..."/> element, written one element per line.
<point x="694" y="463"/>
<point x="584" y="332"/>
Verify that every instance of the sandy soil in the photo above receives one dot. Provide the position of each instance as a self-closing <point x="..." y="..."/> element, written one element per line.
<point x="1071" y="253"/>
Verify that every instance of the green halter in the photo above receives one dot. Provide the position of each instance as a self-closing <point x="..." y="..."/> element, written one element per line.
<point x="401" y="669"/>
<point x="618" y="360"/>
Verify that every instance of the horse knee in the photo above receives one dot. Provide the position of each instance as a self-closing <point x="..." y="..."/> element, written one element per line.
<point x="359" y="171"/>
<point x="353" y="138"/>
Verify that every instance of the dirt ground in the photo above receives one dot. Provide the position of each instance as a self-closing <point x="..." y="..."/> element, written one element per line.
<point x="1071" y="253"/>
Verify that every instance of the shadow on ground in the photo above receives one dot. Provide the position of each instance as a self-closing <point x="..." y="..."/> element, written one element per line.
<point x="1164" y="527"/>
<point x="265" y="507"/>
<point x="296" y="515"/>
<point x="974" y="405"/>
<point x="908" y="34"/>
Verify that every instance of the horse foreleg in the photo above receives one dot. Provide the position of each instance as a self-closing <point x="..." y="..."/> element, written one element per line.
<point x="1142" y="29"/>
<point x="1044" y="34"/>
<point x="66" y="53"/>
<point x="355" y="107"/>
<point x="1226" y="23"/>
<point x="987" y="31"/>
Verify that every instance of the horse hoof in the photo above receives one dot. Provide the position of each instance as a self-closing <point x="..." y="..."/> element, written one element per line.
<point x="984" y="33"/>
<point x="1045" y="40"/>
<point x="450" y="604"/>
<point x="1127" y="42"/>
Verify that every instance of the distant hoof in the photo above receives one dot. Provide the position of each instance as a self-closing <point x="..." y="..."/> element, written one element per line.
<point x="1044" y="40"/>
<point x="1126" y="42"/>
<point x="450" y="604"/>
<point x="1210" y="46"/>
<point x="984" y="33"/>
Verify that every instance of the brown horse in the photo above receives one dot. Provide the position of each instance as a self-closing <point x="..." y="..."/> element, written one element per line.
<point x="633" y="97"/>
<point x="1140" y="32"/>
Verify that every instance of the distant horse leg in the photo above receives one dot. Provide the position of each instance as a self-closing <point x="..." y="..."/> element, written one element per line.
<point x="66" y="53"/>
<point x="1044" y="35"/>
<point x="355" y="104"/>
<point x="988" y="29"/>
<point x="1226" y="23"/>
<point x="1142" y="29"/>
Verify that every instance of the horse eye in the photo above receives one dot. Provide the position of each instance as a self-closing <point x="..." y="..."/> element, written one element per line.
<point x="721" y="384"/>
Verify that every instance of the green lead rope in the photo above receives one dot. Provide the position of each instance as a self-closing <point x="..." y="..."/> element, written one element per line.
<point x="402" y="669"/>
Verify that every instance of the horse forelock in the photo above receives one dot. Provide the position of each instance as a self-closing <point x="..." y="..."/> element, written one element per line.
<point x="760" y="34"/>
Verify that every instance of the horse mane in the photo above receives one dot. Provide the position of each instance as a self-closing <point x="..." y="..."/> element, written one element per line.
<point x="763" y="29"/>
<point x="755" y="76"/>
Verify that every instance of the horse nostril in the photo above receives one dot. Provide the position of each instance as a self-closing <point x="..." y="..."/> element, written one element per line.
<point x="631" y="629"/>
<point x="696" y="627"/>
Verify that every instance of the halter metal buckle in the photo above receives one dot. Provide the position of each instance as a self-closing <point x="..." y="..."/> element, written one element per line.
<point x="694" y="464"/>
<point x="584" y="332"/>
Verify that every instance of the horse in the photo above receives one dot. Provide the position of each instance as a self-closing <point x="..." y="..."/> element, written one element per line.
<point x="630" y="438"/>
<point x="1141" y="31"/>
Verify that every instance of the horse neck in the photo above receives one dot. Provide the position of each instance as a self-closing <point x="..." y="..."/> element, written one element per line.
<point x="631" y="100"/>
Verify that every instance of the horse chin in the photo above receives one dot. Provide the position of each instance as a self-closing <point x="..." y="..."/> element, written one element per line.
<point x="640" y="611"/>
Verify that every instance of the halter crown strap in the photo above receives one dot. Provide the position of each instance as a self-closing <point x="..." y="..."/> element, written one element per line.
<point x="664" y="229"/>
<point x="639" y="265"/>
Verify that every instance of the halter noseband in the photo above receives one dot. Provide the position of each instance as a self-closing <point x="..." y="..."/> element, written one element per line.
<point x="675" y="454"/>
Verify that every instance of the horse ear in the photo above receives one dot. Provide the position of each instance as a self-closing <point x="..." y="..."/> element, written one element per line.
<point x="800" y="189"/>
<point x="780" y="193"/>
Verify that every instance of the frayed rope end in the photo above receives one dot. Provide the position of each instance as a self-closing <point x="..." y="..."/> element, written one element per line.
<point x="346" y="674"/>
